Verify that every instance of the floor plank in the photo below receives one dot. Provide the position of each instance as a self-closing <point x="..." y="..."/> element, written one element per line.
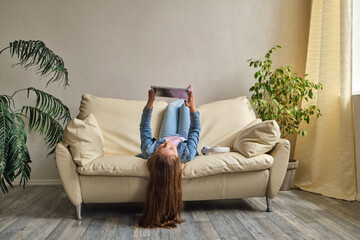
<point x="45" y="212"/>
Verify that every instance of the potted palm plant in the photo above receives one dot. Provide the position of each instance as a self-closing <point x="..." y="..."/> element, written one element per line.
<point x="278" y="94"/>
<point x="46" y="115"/>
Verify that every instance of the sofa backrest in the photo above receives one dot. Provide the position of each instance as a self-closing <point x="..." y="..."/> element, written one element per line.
<point x="119" y="121"/>
<point x="222" y="121"/>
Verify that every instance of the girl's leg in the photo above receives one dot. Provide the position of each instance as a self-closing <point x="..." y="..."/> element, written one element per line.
<point x="178" y="103"/>
<point x="170" y="121"/>
<point x="184" y="121"/>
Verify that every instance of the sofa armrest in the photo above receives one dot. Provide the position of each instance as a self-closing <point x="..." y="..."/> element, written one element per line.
<point x="281" y="154"/>
<point x="68" y="173"/>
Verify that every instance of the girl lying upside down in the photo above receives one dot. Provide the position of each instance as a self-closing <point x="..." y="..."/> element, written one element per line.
<point x="177" y="143"/>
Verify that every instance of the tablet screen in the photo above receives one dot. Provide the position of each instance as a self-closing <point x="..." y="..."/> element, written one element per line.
<point x="181" y="93"/>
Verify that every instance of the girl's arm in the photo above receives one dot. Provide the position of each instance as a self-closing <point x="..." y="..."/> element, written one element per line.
<point x="145" y="129"/>
<point x="194" y="131"/>
<point x="151" y="99"/>
<point x="194" y="134"/>
<point x="190" y="103"/>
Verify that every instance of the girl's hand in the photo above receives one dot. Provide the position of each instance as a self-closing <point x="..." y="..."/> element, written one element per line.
<point x="151" y="99"/>
<point x="190" y="103"/>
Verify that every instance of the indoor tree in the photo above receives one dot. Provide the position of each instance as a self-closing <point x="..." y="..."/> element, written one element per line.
<point x="278" y="94"/>
<point x="47" y="115"/>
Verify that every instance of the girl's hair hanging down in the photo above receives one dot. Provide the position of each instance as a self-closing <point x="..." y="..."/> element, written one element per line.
<point x="164" y="193"/>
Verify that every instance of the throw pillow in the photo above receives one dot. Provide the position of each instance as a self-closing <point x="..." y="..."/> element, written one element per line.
<point x="252" y="123"/>
<point x="85" y="139"/>
<point x="257" y="138"/>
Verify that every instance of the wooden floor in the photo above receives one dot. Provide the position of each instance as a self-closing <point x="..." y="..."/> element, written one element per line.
<point x="45" y="212"/>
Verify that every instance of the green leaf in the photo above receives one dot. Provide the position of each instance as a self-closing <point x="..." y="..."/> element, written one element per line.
<point x="19" y="157"/>
<point x="310" y="94"/>
<point x="6" y="99"/>
<point x="6" y="122"/>
<point x="45" y="124"/>
<point x="35" y="53"/>
<point x="50" y="105"/>
<point x="275" y="102"/>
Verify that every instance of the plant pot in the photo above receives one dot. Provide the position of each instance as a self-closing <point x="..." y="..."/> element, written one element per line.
<point x="289" y="176"/>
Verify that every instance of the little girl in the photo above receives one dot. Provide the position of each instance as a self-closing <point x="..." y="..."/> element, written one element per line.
<point x="178" y="141"/>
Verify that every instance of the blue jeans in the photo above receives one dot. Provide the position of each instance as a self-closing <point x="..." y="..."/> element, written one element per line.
<point x="176" y="121"/>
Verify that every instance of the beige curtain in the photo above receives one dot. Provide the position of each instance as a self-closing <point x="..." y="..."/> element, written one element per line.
<point x="327" y="155"/>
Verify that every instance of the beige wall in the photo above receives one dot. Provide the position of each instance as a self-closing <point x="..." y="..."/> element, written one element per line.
<point x="119" y="48"/>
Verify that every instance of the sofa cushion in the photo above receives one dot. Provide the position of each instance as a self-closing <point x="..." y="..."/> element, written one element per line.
<point x="258" y="138"/>
<point x="225" y="163"/>
<point x="119" y="121"/>
<point x="116" y="165"/>
<point x="222" y="121"/>
<point x="85" y="139"/>
<point x="199" y="167"/>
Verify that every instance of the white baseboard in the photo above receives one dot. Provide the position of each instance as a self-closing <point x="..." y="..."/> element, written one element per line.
<point x="39" y="182"/>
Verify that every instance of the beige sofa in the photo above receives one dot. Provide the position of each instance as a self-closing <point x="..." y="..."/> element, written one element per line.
<point x="119" y="176"/>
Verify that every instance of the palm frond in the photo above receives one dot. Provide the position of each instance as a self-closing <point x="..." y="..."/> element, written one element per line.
<point x="6" y="99"/>
<point x="18" y="154"/>
<point x="35" y="53"/>
<point x="51" y="105"/>
<point x="45" y="124"/>
<point x="6" y="122"/>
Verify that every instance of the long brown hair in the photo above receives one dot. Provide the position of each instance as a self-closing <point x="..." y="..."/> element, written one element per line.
<point x="164" y="193"/>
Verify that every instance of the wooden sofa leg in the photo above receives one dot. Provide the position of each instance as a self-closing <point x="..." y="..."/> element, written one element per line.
<point x="78" y="212"/>
<point x="268" y="204"/>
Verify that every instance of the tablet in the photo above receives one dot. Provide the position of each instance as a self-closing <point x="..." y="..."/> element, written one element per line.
<point x="181" y="93"/>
